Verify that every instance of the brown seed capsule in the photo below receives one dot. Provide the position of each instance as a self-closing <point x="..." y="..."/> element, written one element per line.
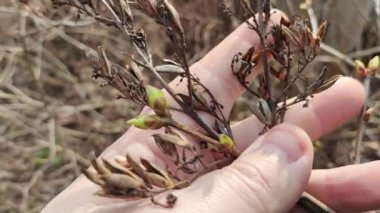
<point x="126" y="9"/>
<point x="169" y="68"/>
<point x="322" y="30"/>
<point x="327" y="84"/>
<point x="104" y="60"/>
<point x="147" y="7"/>
<point x="167" y="148"/>
<point x="94" y="177"/>
<point x="173" y="139"/>
<point x="138" y="170"/>
<point x="158" y="180"/>
<point x="263" y="107"/>
<point x="115" y="167"/>
<point x="99" y="167"/>
<point x="151" y="167"/>
<point x="120" y="181"/>
<point x="176" y="22"/>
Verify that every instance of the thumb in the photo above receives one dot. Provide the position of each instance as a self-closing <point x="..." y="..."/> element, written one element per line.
<point x="269" y="176"/>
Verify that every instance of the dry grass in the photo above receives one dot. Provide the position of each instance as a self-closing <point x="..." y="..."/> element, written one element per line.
<point x="53" y="116"/>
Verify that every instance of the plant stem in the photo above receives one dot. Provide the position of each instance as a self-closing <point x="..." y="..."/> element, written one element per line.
<point x="261" y="32"/>
<point x="312" y="205"/>
<point x="361" y="122"/>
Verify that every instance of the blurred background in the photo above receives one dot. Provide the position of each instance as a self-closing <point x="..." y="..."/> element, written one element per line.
<point x="54" y="116"/>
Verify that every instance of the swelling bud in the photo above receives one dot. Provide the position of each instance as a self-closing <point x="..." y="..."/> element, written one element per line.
<point x="147" y="122"/>
<point x="157" y="101"/>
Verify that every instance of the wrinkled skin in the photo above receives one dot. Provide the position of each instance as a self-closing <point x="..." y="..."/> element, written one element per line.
<point x="273" y="170"/>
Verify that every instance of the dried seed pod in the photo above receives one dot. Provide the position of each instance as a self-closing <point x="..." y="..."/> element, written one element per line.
<point x="126" y="9"/>
<point x="147" y="122"/>
<point x="115" y="167"/>
<point x="170" y="68"/>
<point x="175" y="140"/>
<point x="290" y="35"/>
<point x="138" y="170"/>
<point x="263" y="107"/>
<point x="315" y="44"/>
<point x="151" y="167"/>
<point x="104" y="60"/>
<point x="148" y="7"/>
<point x="126" y="76"/>
<point x="327" y="84"/>
<point x="167" y="148"/>
<point x="136" y="70"/>
<point x="249" y="54"/>
<point x="157" y="101"/>
<point x="174" y="17"/>
<point x="246" y="6"/>
<point x="199" y="97"/>
<point x="322" y="29"/>
<point x="237" y="64"/>
<point x="99" y="167"/>
<point x="309" y="36"/>
<point x="196" y="104"/>
<point x="120" y="181"/>
<point x="94" y="177"/>
<point x="259" y="115"/>
<point x="158" y="180"/>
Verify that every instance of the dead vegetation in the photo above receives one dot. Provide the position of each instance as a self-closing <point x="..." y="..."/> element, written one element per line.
<point x="54" y="116"/>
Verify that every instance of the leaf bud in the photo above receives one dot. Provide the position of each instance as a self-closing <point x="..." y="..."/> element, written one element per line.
<point x="226" y="141"/>
<point x="373" y="65"/>
<point x="147" y="122"/>
<point x="157" y="101"/>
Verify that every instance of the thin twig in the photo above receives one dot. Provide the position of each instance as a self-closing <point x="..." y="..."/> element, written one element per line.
<point x="313" y="205"/>
<point x="361" y="122"/>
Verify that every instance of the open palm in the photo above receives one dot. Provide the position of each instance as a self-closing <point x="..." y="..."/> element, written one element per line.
<point x="274" y="169"/>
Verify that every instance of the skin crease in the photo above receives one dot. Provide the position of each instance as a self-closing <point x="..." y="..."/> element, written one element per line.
<point x="274" y="168"/>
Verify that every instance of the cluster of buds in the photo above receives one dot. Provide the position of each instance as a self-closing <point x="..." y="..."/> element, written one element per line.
<point x="369" y="70"/>
<point x="157" y="101"/>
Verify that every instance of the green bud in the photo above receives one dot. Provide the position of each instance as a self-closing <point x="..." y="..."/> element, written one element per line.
<point x="374" y="63"/>
<point x="157" y="101"/>
<point x="359" y="66"/>
<point x="146" y="122"/>
<point x="226" y="141"/>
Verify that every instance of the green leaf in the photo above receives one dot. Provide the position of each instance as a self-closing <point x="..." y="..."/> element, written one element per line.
<point x="43" y="153"/>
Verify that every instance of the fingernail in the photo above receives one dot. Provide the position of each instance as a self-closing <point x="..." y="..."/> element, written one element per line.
<point x="289" y="142"/>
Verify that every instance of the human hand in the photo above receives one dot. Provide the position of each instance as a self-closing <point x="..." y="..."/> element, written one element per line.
<point x="273" y="170"/>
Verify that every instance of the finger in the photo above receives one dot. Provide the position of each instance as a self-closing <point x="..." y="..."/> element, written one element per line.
<point x="353" y="188"/>
<point x="268" y="177"/>
<point x="326" y="111"/>
<point x="214" y="70"/>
